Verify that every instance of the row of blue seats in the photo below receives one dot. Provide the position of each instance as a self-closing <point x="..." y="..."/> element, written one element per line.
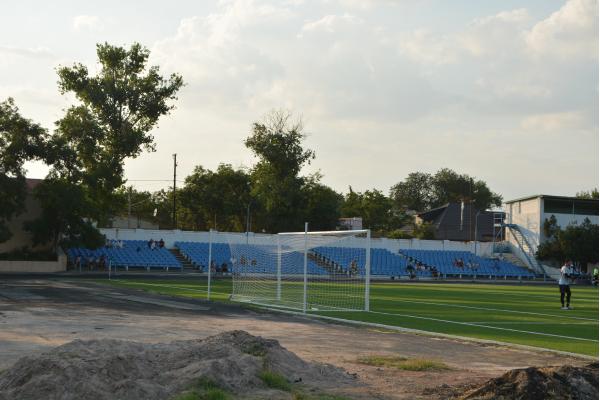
<point x="134" y="253"/>
<point x="448" y="263"/>
<point x="260" y="259"/>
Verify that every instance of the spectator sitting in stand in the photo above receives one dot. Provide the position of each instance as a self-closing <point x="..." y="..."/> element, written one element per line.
<point x="91" y="263"/>
<point x="161" y="243"/>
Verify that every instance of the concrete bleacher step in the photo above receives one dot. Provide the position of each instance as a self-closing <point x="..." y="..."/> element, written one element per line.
<point x="187" y="265"/>
<point x="312" y="256"/>
<point x="511" y="258"/>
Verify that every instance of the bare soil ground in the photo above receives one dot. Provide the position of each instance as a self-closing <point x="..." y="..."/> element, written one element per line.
<point x="38" y="315"/>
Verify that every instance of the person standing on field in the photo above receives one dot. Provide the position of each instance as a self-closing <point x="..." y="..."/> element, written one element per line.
<point x="566" y="272"/>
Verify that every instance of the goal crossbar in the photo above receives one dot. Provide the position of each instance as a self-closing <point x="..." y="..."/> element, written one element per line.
<point x="352" y="232"/>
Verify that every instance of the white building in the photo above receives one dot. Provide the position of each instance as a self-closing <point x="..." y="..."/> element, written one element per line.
<point x="351" y="223"/>
<point x="529" y="213"/>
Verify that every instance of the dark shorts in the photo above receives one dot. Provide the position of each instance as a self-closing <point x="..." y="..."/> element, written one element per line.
<point x="564" y="288"/>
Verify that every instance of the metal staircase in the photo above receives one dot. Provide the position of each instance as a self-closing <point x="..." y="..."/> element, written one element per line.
<point x="526" y="248"/>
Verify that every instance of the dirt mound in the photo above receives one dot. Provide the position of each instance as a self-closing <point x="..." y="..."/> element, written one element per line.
<point x="565" y="382"/>
<point x="113" y="369"/>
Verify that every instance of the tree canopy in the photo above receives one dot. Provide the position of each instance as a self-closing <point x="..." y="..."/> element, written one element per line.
<point x="422" y="191"/>
<point x="585" y="194"/>
<point x="573" y="242"/>
<point x="277" y="187"/>
<point x="21" y="140"/>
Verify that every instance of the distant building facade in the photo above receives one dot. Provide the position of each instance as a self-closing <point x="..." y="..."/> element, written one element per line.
<point x="350" y="224"/>
<point x="531" y="212"/>
<point x="20" y="237"/>
<point x="132" y="222"/>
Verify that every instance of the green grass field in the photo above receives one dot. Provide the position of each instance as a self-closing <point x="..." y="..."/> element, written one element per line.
<point x="527" y="315"/>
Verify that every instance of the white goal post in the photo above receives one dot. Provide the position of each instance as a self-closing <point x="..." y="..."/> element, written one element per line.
<point x="308" y="271"/>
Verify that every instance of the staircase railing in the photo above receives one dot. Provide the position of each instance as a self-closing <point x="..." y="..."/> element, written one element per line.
<point x="526" y="248"/>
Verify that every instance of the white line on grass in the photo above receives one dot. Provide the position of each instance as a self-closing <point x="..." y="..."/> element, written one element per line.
<point x="483" y="326"/>
<point x="439" y="334"/>
<point x="161" y="285"/>
<point x="532" y="323"/>
<point x="474" y="288"/>
<point x="526" y="295"/>
<point x="493" y="309"/>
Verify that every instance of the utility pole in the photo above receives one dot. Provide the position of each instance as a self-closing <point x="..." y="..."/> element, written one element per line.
<point x="247" y="222"/>
<point x="174" y="191"/>
<point x="129" y="208"/>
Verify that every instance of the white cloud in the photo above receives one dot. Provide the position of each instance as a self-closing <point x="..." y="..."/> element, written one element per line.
<point x="223" y="56"/>
<point x="497" y="36"/>
<point x="365" y="4"/>
<point x="36" y="52"/>
<point x="572" y="31"/>
<point x="86" y="22"/>
<point x="332" y="24"/>
<point x="405" y="87"/>
<point x="567" y="120"/>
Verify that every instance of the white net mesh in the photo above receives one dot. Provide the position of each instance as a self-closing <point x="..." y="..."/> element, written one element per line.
<point x="310" y="272"/>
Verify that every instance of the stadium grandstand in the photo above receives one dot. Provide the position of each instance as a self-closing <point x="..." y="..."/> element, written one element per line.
<point x="404" y="263"/>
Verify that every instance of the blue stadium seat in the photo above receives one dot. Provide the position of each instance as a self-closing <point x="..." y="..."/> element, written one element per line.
<point x="134" y="254"/>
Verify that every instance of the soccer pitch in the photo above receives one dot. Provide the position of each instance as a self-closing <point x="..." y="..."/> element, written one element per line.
<point x="519" y="314"/>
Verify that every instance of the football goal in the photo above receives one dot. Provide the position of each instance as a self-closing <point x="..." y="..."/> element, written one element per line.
<point x="308" y="271"/>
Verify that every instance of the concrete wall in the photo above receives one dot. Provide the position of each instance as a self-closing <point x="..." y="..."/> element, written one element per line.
<point x="526" y="214"/>
<point x="34" y="266"/>
<point x="483" y="249"/>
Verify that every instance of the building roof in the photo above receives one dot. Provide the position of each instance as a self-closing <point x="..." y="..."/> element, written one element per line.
<point x="547" y="196"/>
<point x="32" y="183"/>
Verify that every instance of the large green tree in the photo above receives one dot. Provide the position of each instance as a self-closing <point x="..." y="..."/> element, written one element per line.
<point x="414" y="193"/>
<point x="422" y="191"/>
<point x="574" y="242"/>
<point x="376" y="209"/>
<point x="20" y="140"/>
<point x="215" y="199"/>
<point x="276" y="184"/>
<point x="321" y="205"/>
<point x="117" y="110"/>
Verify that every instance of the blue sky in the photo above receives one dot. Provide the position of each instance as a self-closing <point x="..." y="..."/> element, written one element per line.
<point x="506" y="91"/>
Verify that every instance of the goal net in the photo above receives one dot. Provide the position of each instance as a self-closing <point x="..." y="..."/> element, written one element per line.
<point x="308" y="271"/>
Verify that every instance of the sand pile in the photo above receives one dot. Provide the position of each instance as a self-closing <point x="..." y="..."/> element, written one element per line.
<point x="114" y="369"/>
<point x="565" y="382"/>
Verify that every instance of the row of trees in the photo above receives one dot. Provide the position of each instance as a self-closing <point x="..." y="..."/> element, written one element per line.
<point x="277" y="198"/>
<point x="115" y="112"/>
<point x="573" y="242"/>
<point x="112" y="121"/>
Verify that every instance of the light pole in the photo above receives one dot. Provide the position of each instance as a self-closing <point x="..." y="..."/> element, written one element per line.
<point x="476" y="225"/>
<point x="248" y="221"/>
<point x="174" y="191"/>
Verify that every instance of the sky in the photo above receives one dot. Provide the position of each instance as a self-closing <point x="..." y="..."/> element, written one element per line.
<point x="506" y="91"/>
